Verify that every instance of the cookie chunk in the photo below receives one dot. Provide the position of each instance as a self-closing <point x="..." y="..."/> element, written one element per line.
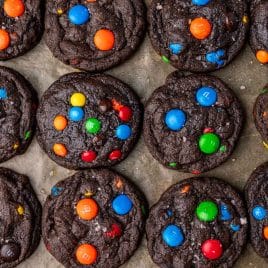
<point x="198" y="35"/>
<point x="94" y="35"/>
<point x="20" y="215"/>
<point x="192" y="123"/>
<point x="256" y="193"/>
<point x="21" y="27"/>
<point x="18" y="104"/>
<point x="259" y="29"/>
<point x="95" y="217"/>
<point x="260" y="114"/>
<point x="88" y="121"/>
<point x="198" y="222"/>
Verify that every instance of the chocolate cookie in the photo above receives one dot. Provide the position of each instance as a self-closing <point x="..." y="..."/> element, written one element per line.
<point x="94" y="35"/>
<point x="259" y="29"/>
<point x="21" y="26"/>
<point x="198" y="35"/>
<point x="260" y="114"/>
<point x="20" y="218"/>
<point x="192" y="123"/>
<point x="18" y="103"/>
<point x="198" y="222"/>
<point x="256" y="193"/>
<point x="95" y="217"/>
<point x="88" y="121"/>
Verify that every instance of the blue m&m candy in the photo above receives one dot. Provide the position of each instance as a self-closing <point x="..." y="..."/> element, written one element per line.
<point x="123" y="132"/>
<point x="175" y="119"/>
<point x="259" y="213"/>
<point x="215" y="57"/>
<point x="173" y="235"/>
<point x="175" y="48"/>
<point x="78" y="15"/>
<point x="55" y="191"/>
<point x="76" y="114"/>
<point x="225" y="214"/>
<point x="3" y="93"/>
<point x="200" y="2"/>
<point x="206" y="96"/>
<point x="122" y="204"/>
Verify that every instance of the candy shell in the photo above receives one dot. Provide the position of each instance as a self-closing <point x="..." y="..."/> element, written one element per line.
<point x="93" y="125"/>
<point x="86" y="254"/>
<point x="4" y="39"/>
<point x="79" y="14"/>
<point x="122" y="204"/>
<point x="60" y="122"/>
<point x="200" y="28"/>
<point x="14" y="8"/>
<point x="259" y="213"/>
<point x="76" y="114"/>
<point x="206" y="96"/>
<point x="104" y="39"/>
<point x="207" y="211"/>
<point x="173" y="235"/>
<point x="87" y="209"/>
<point x="209" y="143"/>
<point x="212" y="249"/>
<point x="78" y="99"/>
<point x="123" y="132"/>
<point x="88" y="156"/>
<point x="175" y="119"/>
<point x="60" y="149"/>
<point x="262" y="56"/>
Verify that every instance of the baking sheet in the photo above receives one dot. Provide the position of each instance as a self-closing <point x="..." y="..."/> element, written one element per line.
<point x="144" y="72"/>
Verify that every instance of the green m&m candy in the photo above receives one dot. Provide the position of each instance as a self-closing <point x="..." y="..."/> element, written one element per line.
<point x="207" y="211"/>
<point x="93" y="125"/>
<point x="209" y="143"/>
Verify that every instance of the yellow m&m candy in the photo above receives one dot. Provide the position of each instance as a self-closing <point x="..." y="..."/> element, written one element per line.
<point x="78" y="99"/>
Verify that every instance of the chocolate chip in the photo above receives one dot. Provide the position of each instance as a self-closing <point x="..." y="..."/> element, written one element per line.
<point x="10" y="252"/>
<point x="105" y="105"/>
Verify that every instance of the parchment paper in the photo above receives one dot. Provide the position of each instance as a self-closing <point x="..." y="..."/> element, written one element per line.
<point x="144" y="72"/>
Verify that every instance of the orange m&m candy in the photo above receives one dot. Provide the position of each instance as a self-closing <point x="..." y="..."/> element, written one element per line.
<point x="60" y="122"/>
<point x="14" y="8"/>
<point x="86" y="254"/>
<point x="59" y="149"/>
<point x="4" y="39"/>
<point x="265" y="232"/>
<point x="262" y="56"/>
<point x="104" y="39"/>
<point x="87" y="209"/>
<point x="200" y="28"/>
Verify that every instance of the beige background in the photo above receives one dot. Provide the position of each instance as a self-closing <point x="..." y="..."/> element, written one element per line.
<point x="145" y="72"/>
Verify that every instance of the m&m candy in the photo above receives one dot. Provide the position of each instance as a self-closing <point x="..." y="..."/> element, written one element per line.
<point x="114" y="155"/>
<point x="206" y="96"/>
<point x="76" y="114"/>
<point x="125" y="113"/>
<point x="88" y="156"/>
<point x="4" y="39"/>
<point x="215" y="57"/>
<point x="122" y="204"/>
<point x="265" y="232"/>
<point x="123" y="132"/>
<point x="173" y="235"/>
<point x="200" y="28"/>
<point x="259" y="213"/>
<point x="262" y="56"/>
<point x="3" y="93"/>
<point x="86" y="254"/>
<point x="78" y="99"/>
<point x="207" y="211"/>
<point x="225" y="214"/>
<point x="14" y="8"/>
<point x="209" y="143"/>
<point x="55" y="191"/>
<point x="87" y="209"/>
<point x="59" y="149"/>
<point x="93" y="125"/>
<point x="175" y="48"/>
<point x="212" y="249"/>
<point x="175" y="119"/>
<point x="235" y="227"/>
<point x="60" y="122"/>
<point x="200" y="2"/>
<point x="79" y="14"/>
<point x="104" y="39"/>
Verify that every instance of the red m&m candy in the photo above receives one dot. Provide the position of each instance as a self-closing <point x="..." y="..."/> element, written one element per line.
<point x="114" y="155"/>
<point x="125" y="113"/>
<point x="88" y="156"/>
<point x="212" y="249"/>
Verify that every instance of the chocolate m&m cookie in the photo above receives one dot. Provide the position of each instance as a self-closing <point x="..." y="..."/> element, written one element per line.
<point x="94" y="35"/>
<point x="21" y="27"/>
<point x="192" y="123"/>
<point x="260" y="114"/>
<point x="18" y="104"/>
<point x="88" y="121"/>
<point x="20" y="216"/>
<point x="259" y="29"/>
<point x="198" y="35"/>
<point x="95" y="217"/>
<point x="256" y="193"/>
<point x="198" y="222"/>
